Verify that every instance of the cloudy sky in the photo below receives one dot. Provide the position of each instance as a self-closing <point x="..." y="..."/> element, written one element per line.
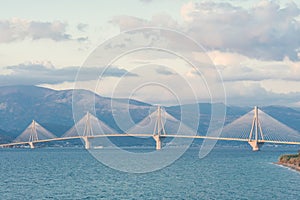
<point x="251" y="48"/>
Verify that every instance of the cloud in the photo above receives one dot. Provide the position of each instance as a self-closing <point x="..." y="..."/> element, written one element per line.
<point x="235" y="67"/>
<point x="35" y="73"/>
<point x="164" y="71"/>
<point x="82" y="39"/>
<point x="82" y="27"/>
<point x="128" y="22"/>
<point x="250" y="94"/>
<point x="54" y="30"/>
<point x="19" y="29"/>
<point x="264" y="31"/>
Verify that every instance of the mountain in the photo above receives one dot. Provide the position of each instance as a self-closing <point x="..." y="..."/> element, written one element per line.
<point x="286" y="115"/>
<point x="19" y="105"/>
<point x="4" y="137"/>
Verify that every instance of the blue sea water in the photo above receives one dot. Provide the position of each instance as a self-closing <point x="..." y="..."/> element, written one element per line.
<point x="226" y="173"/>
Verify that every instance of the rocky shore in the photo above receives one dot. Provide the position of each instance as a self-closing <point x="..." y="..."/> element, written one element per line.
<point x="291" y="160"/>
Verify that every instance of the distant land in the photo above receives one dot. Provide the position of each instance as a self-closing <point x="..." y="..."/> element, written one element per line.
<point x="290" y="160"/>
<point x="19" y="105"/>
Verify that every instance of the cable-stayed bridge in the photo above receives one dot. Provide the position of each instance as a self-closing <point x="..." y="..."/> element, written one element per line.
<point x="255" y="128"/>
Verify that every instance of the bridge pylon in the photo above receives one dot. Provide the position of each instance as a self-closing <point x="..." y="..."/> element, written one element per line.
<point x="33" y="134"/>
<point x="159" y="129"/>
<point x="88" y="131"/>
<point x="256" y="135"/>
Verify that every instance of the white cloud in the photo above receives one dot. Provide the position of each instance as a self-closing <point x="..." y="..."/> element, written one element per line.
<point x="17" y="29"/>
<point x="265" y="31"/>
<point x="227" y="58"/>
<point x="128" y="22"/>
<point x="257" y="70"/>
<point x="280" y="86"/>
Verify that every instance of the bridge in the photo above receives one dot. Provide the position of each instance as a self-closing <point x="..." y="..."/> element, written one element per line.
<point x="247" y="128"/>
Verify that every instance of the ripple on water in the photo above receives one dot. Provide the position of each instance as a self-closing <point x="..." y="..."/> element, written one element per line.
<point x="227" y="173"/>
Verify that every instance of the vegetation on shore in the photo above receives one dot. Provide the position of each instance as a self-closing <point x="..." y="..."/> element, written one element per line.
<point x="290" y="160"/>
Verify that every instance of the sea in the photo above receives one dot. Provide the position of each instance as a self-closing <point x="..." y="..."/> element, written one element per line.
<point x="73" y="173"/>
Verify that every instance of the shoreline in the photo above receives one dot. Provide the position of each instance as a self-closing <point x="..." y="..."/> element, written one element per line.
<point x="291" y="166"/>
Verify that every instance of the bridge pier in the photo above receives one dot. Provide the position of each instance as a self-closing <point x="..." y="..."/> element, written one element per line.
<point x="157" y="141"/>
<point x="255" y="145"/>
<point x="86" y="142"/>
<point x="31" y="145"/>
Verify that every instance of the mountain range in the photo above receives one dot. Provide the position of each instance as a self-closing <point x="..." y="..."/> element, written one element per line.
<point x="19" y="105"/>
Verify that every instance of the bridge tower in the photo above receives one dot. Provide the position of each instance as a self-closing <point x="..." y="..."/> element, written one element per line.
<point x="88" y="131"/>
<point x="33" y="134"/>
<point x="159" y="129"/>
<point x="256" y="135"/>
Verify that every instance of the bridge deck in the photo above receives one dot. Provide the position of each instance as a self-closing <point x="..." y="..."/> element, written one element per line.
<point x="150" y="135"/>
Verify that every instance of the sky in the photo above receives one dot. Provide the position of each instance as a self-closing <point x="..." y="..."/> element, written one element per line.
<point x="247" y="52"/>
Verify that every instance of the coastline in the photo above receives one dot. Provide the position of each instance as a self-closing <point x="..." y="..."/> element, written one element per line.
<point x="291" y="161"/>
<point x="291" y="166"/>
